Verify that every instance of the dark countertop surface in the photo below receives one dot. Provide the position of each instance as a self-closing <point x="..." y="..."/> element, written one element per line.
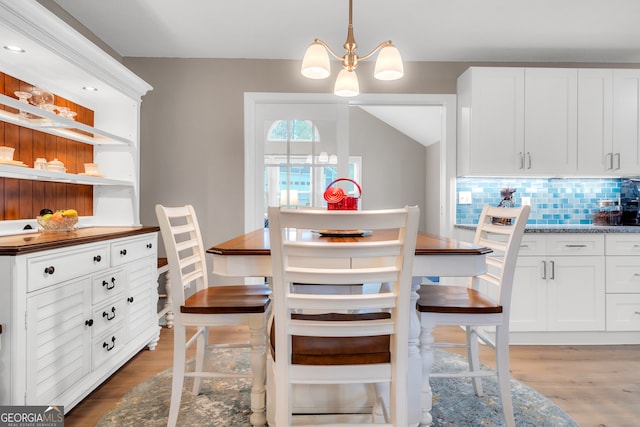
<point x="568" y="228"/>
<point x="37" y="241"/>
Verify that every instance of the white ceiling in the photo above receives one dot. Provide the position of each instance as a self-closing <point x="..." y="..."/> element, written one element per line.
<point x="423" y="30"/>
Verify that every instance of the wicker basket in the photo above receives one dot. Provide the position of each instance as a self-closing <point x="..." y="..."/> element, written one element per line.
<point x="337" y="200"/>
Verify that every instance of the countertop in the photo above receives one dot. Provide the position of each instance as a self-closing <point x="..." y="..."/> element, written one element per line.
<point x="38" y="241"/>
<point x="568" y="228"/>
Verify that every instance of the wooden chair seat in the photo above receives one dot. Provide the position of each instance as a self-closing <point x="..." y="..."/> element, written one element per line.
<point x="228" y="300"/>
<point x="337" y="350"/>
<point x="455" y="299"/>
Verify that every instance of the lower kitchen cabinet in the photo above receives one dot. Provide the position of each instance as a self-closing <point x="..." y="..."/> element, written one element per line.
<point x="623" y="282"/>
<point x="559" y="283"/>
<point x="76" y="314"/>
<point x="575" y="288"/>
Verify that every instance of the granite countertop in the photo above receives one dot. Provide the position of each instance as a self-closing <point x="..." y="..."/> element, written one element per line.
<point x="568" y="228"/>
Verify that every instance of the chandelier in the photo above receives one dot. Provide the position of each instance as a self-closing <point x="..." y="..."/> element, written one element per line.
<point x="316" y="64"/>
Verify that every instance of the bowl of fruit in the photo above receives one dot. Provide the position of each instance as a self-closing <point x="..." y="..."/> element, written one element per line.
<point x="60" y="221"/>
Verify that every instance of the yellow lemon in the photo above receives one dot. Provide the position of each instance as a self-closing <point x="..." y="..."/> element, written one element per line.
<point x="70" y="212"/>
<point x="46" y="217"/>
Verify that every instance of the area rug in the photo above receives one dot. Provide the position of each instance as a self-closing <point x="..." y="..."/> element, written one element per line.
<point x="225" y="402"/>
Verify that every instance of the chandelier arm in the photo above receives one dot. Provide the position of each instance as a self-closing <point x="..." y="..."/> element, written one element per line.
<point x="377" y="48"/>
<point x="326" y="46"/>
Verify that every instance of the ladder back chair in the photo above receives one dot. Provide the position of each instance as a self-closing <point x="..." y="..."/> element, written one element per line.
<point x="207" y="307"/>
<point x="485" y="302"/>
<point x="335" y="337"/>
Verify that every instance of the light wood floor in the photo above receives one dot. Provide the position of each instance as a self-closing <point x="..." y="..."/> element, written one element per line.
<point x="599" y="386"/>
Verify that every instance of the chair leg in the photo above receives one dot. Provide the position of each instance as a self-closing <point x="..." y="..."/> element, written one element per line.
<point x="201" y="349"/>
<point x="473" y="358"/>
<point x="179" y="357"/>
<point x="258" y="339"/>
<point x="381" y="409"/>
<point x="502" y="367"/>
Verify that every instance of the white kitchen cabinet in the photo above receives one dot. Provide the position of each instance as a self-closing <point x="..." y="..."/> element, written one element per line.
<point x="623" y="282"/>
<point x="626" y="122"/>
<point x="490" y="121"/>
<point x="550" y="121"/>
<point x="559" y="285"/>
<point x="517" y="121"/>
<point x="608" y="122"/>
<point x="87" y="315"/>
<point x="596" y="153"/>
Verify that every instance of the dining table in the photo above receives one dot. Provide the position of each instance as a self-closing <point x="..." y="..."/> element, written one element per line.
<point x="248" y="255"/>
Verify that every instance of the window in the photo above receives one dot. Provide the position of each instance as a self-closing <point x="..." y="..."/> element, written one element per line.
<point x="299" y="163"/>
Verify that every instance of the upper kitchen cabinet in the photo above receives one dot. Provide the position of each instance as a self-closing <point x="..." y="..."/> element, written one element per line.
<point x="517" y="121"/>
<point x="59" y="60"/>
<point x="550" y="121"/>
<point x="491" y="121"/>
<point x="608" y="122"/>
<point x="625" y="151"/>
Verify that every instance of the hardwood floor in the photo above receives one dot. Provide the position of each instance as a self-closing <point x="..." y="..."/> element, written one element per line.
<point x="599" y="386"/>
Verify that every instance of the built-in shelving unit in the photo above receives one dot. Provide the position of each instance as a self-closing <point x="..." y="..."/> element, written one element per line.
<point x="106" y="130"/>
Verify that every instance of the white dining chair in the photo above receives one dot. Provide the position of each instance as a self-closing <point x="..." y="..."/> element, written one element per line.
<point x="485" y="302"/>
<point x="205" y="307"/>
<point x="341" y="338"/>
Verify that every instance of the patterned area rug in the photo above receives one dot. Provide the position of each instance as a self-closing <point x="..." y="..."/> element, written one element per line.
<point x="225" y="402"/>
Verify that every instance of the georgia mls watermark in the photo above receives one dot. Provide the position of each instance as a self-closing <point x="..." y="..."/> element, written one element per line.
<point x="31" y="416"/>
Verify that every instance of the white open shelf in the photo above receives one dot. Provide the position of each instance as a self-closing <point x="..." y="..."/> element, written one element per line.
<point x="19" y="172"/>
<point x="51" y="123"/>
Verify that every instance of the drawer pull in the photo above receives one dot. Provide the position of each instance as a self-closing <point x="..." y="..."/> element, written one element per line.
<point x="575" y="246"/>
<point x="110" y="316"/>
<point x="49" y="270"/>
<point x="149" y="245"/>
<point x="109" y="285"/>
<point x="89" y="322"/>
<point x="109" y="347"/>
<point x="123" y="252"/>
<point x="130" y="299"/>
<point x="97" y="258"/>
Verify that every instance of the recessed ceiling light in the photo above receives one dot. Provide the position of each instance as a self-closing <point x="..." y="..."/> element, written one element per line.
<point x="90" y="88"/>
<point x="14" y="49"/>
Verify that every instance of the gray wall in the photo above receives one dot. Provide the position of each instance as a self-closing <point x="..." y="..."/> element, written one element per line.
<point x="393" y="165"/>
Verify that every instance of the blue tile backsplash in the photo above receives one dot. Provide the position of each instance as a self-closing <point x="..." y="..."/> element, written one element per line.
<point x="553" y="200"/>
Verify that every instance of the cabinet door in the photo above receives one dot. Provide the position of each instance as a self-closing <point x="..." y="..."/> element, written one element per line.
<point x="595" y="121"/>
<point x="58" y="340"/>
<point x="550" y="124"/>
<point x="576" y="294"/>
<point x="141" y="298"/>
<point x="626" y="120"/>
<point x="529" y="296"/>
<point x="490" y="121"/>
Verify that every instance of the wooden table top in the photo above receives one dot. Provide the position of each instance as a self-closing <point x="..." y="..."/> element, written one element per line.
<point x="257" y="243"/>
<point x="33" y="242"/>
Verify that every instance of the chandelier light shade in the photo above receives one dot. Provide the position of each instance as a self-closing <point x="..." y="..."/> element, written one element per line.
<point x="346" y="83"/>
<point x="316" y="62"/>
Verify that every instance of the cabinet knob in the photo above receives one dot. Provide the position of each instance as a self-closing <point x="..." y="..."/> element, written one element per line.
<point x="149" y="245"/>
<point x="97" y="258"/>
<point x="130" y="299"/>
<point x="123" y="252"/>
<point x="108" y="346"/>
<point x="49" y="270"/>
<point x="89" y="322"/>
